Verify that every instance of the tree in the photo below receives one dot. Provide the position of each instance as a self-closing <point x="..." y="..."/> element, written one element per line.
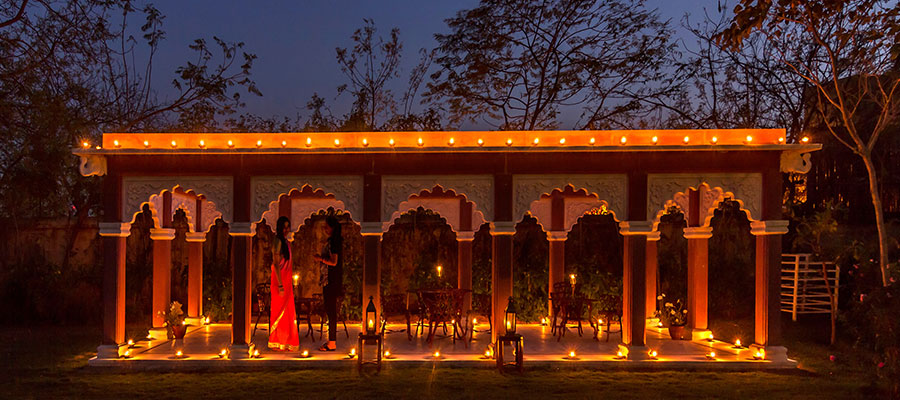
<point x="70" y="70"/>
<point x="369" y="66"/>
<point x="516" y="63"/>
<point x="854" y="70"/>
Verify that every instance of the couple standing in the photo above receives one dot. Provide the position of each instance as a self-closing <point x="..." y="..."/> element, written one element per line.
<point x="283" y="334"/>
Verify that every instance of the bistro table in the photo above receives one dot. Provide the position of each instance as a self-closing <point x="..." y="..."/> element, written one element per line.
<point x="309" y="304"/>
<point x="440" y="306"/>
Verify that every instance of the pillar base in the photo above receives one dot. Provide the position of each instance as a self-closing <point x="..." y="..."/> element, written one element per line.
<point x="700" y="334"/>
<point x="638" y="353"/>
<point x="194" y="321"/>
<point x="775" y="354"/>
<point x="108" y="351"/>
<point x="239" y="351"/>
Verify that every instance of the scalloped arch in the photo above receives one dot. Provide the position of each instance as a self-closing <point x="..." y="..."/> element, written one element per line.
<point x="447" y="207"/>
<point x="303" y="208"/>
<point x="574" y="207"/>
<point x="710" y="197"/>
<point x="185" y="200"/>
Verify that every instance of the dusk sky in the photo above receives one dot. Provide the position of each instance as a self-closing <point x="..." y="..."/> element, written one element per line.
<point x="296" y="40"/>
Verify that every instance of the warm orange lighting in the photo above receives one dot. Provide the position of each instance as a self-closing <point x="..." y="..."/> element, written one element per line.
<point x="451" y="141"/>
<point x="711" y="355"/>
<point x="149" y="337"/>
<point x="353" y="352"/>
<point x="748" y="139"/>
<point x="659" y="324"/>
<point x="202" y="144"/>
<point x="571" y="354"/>
<point x="655" y="139"/>
<point x="437" y="354"/>
<point x="562" y="141"/>
<point x="116" y="144"/>
<point x="439" y="270"/>
<point x="127" y="353"/>
<point x="98" y="147"/>
<point x="536" y="141"/>
<point x="308" y="141"/>
<point x="714" y="140"/>
<point x="296" y="279"/>
<point x="652" y="354"/>
<point x="365" y="142"/>
<point x="284" y="143"/>
<point x="737" y="343"/>
<point x="509" y="141"/>
<point x="174" y="144"/>
<point x="231" y="143"/>
<point x="304" y="354"/>
<point x="620" y="354"/>
<point x="488" y="353"/>
<point x="759" y="355"/>
<point x="371" y="324"/>
<point x="687" y="139"/>
<point x="805" y="139"/>
<point x="223" y="353"/>
<point x="179" y="354"/>
<point x="184" y="322"/>
<point x="255" y="353"/>
<point x="711" y="337"/>
<point x="420" y="142"/>
<point x="480" y="142"/>
<point x="337" y="143"/>
<point x="572" y="278"/>
<point x="258" y="143"/>
<point x="85" y="144"/>
<point x="391" y="142"/>
<point x="147" y="144"/>
<point x="387" y="353"/>
<point x="592" y="141"/>
<point x="780" y="140"/>
<point x="206" y="320"/>
<point x="623" y="140"/>
<point x="474" y="321"/>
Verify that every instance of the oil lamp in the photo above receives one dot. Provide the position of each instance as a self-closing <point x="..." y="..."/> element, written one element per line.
<point x="370" y="316"/>
<point x="511" y="317"/>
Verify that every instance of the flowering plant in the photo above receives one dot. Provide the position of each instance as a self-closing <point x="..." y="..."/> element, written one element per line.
<point x="674" y="314"/>
<point x="173" y="315"/>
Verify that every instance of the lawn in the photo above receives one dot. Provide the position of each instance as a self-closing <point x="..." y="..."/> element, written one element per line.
<point x="50" y="362"/>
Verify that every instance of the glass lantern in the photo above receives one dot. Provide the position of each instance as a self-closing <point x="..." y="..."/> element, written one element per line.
<point x="370" y="317"/>
<point x="510" y="317"/>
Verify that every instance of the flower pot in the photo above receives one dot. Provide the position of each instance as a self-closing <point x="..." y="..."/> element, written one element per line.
<point x="676" y="332"/>
<point x="179" y="330"/>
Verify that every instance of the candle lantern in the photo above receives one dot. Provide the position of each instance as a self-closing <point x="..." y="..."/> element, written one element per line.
<point x="296" y="280"/>
<point x="440" y="269"/>
<point x="572" y="279"/>
<point x="511" y="317"/>
<point x="370" y="316"/>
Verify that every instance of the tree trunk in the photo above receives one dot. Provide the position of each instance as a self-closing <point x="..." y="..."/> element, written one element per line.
<point x="879" y="215"/>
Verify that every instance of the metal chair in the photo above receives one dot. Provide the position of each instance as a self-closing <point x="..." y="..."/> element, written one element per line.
<point x="609" y="307"/>
<point x="263" y="301"/>
<point x="393" y="305"/>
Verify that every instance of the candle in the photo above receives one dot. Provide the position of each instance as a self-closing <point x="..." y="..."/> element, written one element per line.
<point x="437" y="354"/>
<point x="255" y="353"/>
<point x="571" y="354"/>
<point x="387" y="353"/>
<point x="439" y="270"/>
<point x="223" y="353"/>
<point x="652" y="354"/>
<point x="305" y="353"/>
<point x="572" y="278"/>
<point x="296" y="279"/>
<point x="179" y="354"/>
<point x="371" y="324"/>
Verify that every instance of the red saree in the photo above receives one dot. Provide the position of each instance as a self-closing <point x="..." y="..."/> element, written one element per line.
<point x="283" y="334"/>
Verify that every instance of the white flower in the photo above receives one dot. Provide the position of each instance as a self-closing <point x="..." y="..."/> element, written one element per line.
<point x="673" y="312"/>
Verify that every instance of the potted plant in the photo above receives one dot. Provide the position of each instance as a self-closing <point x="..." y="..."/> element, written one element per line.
<point x="674" y="315"/>
<point x="174" y="318"/>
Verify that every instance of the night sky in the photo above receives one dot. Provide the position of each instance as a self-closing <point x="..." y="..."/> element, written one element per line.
<point x="295" y="41"/>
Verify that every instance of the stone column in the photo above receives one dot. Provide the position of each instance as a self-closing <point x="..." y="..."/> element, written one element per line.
<point x="767" y="326"/>
<point x="557" y="273"/>
<point x="195" y="274"/>
<point x="464" y="241"/>
<point x="698" y="280"/>
<point x="651" y="273"/>
<point x="162" y="272"/>
<point x="114" y="235"/>
<point x="501" y="273"/>
<point x="371" y="232"/>
<point x="633" y="285"/>
<point x="241" y="262"/>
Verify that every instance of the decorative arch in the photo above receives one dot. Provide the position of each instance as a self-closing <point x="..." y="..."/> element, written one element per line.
<point x="340" y="192"/>
<point x="208" y="197"/>
<point x="583" y="193"/>
<point x="455" y="209"/>
<point x="299" y="205"/>
<point x="397" y="190"/>
<point x="745" y="189"/>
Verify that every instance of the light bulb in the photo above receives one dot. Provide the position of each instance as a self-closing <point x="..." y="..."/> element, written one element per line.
<point x="592" y="141"/>
<point x="365" y="142"/>
<point x="509" y="141"/>
<point x="562" y="141"/>
<point x="748" y="139"/>
<point x="147" y="143"/>
<point x="451" y="141"/>
<point x="202" y="144"/>
<point x="687" y="139"/>
<point x="655" y="139"/>
<point x="259" y="143"/>
<point x="308" y="141"/>
<point x="174" y="144"/>
<point x="116" y="143"/>
<point x="715" y="139"/>
<point x="337" y="143"/>
<point x="536" y="141"/>
<point x="391" y="142"/>
<point x="480" y="142"/>
<point x="284" y="143"/>
<point x="623" y="140"/>
<point x="231" y="143"/>
<point x="420" y="142"/>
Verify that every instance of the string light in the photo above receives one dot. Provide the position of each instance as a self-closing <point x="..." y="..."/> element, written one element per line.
<point x="451" y="141"/>
<point x="147" y="144"/>
<point x="308" y="141"/>
<point x="202" y="144"/>
<point x="623" y="140"/>
<point x="420" y="142"/>
<point x="480" y="142"/>
<point x="655" y="139"/>
<point x="116" y="144"/>
<point x="715" y="139"/>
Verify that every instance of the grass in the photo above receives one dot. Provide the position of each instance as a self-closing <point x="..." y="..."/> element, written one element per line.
<point x="50" y="362"/>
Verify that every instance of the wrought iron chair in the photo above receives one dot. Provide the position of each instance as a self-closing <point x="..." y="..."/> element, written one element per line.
<point x="561" y="292"/>
<point x="263" y="299"/>
<point x="609" y="307"/>
<point x="481" y="307"/>
<point x="393" y="305"/>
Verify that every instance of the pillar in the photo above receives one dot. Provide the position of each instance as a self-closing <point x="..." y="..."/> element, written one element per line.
<point x="162" y="272"/>
<point x="114" y="235"/>
<point x="464" y="240"/>
<point x="501" y="273"/>
<point x="557" y="241"/>
<point x="698" y="279"/>
<point x="651" y="274"/>
<point x="634" y="284"/>
<point x="371" y="279"/>
<point x="767" y="321"/>
<point x="241" y="261"/>
<point x="195" y="273"/>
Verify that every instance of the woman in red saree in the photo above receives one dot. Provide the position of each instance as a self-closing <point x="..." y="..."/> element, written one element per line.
<point x="283" y="333"/>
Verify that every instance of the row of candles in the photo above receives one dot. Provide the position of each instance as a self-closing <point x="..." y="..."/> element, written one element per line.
<point x="623" y="140"/>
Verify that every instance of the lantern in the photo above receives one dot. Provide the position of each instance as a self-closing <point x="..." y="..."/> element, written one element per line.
<point x="510" y="317"/>
<point x="370" y="316"/>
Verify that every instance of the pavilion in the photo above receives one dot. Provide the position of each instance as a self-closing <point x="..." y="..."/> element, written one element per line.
<point x="470" y="178"/>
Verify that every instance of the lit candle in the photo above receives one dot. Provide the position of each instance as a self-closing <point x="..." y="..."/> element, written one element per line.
<point x="437" y="354"/>
<point x="480" y="142"/>
<point x="223" y="353"/>
<point x="391" y="142"/>
<point x="487" y="353"/>
<point x="451" y="141"/>
<point x="748" y="139"/>
<point x="421" y="142"/>
<point x="439" y="270"/>
<point x="337" y="143"/>
<point x="536" y="141"/>
<point x="353" y="352"/>
<point x="255" y="353"/>
<point x="202" y="144"/>
<point x="365" y="142"/>
<point x="231" y="143"/>
<point x="371" y="324"/>
<point x="474" y="321"/>
<point x="206" y="320"/>
<point x="387" y="353"/>
<point x="147" y="143"/>
<point x="85" y="144"/>
<point x="130" y="342"/>
<point x="655" y="139"/>
<point x="780" y="140"/>
<point x="562" y="141"/>
<point x="687" y="139"/>
<point x="759" y="355"/>
<point x="592" y="141"/>
<point x="305" y="353"/>
<point x="711" y="355"/>
<point x="308" y="141"/>
<point x="296" y="279"/>
<point x="652" y="354"/>
<point x="572" y="278"/>
<point x="127" y="353"/>
<point x="259" y="143"/>
<point x="715" y="139"/>
<point x="623" y="140"/>
<point x="284" y="143"/>
<point x="571" y="354"/>
<point x="179" y="354"/>
<point x="116" y="143"/>
<point x="737" y="343"/>
<point x="805" y="139"/>
<point x="508" y="325"/>
<point x="620" y="354"/>
<point x="509" y="141"/>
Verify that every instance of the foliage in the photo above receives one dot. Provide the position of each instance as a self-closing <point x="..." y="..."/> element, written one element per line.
<point x="531" y="270"/>
<point x="173" y="315"/>
<point x="731" y="263"/>
<point x="877" y="330"/>
<point x="515" y="64"/>
<point x="672" y="314"/>
<point x="672" y="255"/>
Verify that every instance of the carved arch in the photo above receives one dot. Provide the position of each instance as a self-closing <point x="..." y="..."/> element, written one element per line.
<point x="397" y="189"/>
<point x="304" y="202"/>
<point x="747" y="195"/>
<point x="446" y="203"/>
<point x="185" y="191"/>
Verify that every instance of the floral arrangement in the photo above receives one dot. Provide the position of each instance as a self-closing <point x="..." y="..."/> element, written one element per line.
<point x="173" y="316"/>
<point x="674" y="314"/>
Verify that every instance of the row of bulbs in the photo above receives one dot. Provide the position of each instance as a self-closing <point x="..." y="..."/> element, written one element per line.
<point x="509" y="142"/>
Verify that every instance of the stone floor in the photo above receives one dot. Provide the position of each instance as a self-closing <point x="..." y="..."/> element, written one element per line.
<point x="201" y="347"/>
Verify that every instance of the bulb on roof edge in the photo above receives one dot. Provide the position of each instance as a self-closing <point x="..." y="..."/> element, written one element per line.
<point x="715" y="139"/>
<point x="451" y="141"/>
<point x="623" y="140"/>
<point x="259" y="143"/>
<point x="308" y="141"/>
<point x="655" y="139"/>
<point x="480" y="142"/>
<point x="146" y="143"/>
<point x="536" y="141"/>
<point x="562" y="141"/>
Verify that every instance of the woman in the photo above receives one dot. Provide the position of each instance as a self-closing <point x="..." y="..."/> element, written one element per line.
<point x="283" y="334"/>
<point x="331" y="277"/>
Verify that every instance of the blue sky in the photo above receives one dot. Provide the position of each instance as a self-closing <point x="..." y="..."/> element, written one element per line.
<point x="295" y="40"/>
